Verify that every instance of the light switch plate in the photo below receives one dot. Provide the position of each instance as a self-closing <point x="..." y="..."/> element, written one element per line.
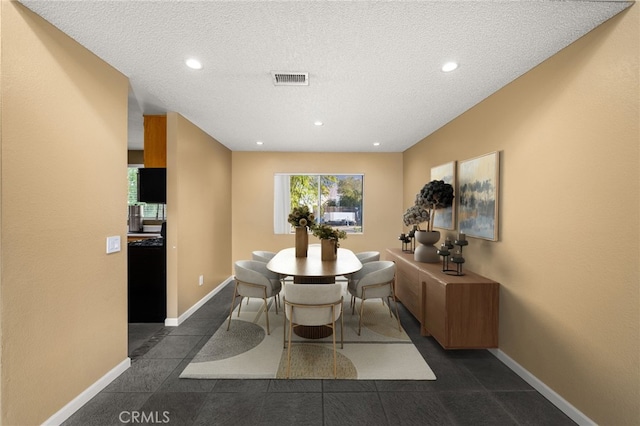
<point x="113" y="244"/>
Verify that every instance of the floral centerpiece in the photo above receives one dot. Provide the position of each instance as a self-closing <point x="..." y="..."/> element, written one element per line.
<point x="329" y="240"/>
<point x="301" y="216"/>
<point x="326" y="232"/>
<point x="433" y="196"/>
<point x="302" y="219"/>
<point x="415" y="215"/>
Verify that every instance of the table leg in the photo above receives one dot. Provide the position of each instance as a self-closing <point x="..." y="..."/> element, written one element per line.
<point x="314" y="280"/>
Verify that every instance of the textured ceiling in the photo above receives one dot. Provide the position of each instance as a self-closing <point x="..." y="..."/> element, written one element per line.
<point x="374" y="67"/>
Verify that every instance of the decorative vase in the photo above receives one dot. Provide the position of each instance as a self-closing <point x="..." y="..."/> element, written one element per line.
<point x="329" y="249"/>
<point x="302" y="241"/>
<point x="426" y="252"/>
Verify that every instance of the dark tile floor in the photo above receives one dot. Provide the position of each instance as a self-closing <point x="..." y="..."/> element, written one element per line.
<point x="472" y="388"/>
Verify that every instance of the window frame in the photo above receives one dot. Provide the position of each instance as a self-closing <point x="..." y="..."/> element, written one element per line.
<point x="150" y="211"/>
<point x="282" y="201"/>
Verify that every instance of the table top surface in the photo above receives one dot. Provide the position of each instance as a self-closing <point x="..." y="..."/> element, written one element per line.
<point x="285" y="262"/>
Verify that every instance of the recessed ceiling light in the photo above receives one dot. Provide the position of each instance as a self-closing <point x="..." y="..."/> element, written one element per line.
<point x="318" y="123"/>
<point x="194" y="64"/>
<point x="376" y="144"/>
<point x="449" y="66"/>
<point x="259" y="143"/>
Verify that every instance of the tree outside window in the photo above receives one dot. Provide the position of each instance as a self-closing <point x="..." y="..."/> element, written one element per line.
<point x="334" y="199"/>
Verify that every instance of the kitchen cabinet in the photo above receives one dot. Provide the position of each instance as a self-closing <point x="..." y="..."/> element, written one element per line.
<point x="155" y="141"/>
<point x="147" y="282"/>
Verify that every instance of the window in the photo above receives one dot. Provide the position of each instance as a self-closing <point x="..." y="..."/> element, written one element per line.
<point x="334" y="199"/>
<point x="149" y="211"/>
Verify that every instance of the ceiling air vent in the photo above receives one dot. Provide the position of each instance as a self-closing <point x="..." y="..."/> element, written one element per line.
<point x="290" y="78"/>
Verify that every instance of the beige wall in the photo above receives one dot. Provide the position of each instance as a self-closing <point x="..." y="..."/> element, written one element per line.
<point x="253" y="174"/>
<point x="568" y="267"/>
<point x="64" y="190"/>
<point x="568" y="253"/>
<point x="198" y="214"/>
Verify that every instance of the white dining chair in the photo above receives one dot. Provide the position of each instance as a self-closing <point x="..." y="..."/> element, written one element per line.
<point x="262" y="255"/>
<point x="365" y="257"/>
<point x="374" y="281"/>
<point x="253" y="279"/>
<point x="312" y="305"/>
<point x="368" y="256"/>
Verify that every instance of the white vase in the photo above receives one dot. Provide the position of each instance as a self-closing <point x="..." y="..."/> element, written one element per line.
<point x="426" y="252"/>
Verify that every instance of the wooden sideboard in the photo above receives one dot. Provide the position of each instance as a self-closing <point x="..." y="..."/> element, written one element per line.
<point x="460" y="312"/>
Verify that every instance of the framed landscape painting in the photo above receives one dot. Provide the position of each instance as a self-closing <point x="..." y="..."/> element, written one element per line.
<point x="477" y="196"/>
<point x="445" y="218"/>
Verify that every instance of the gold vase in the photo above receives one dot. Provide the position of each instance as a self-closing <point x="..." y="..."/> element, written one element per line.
<point x="302" y="241"/>
<point x="329" y="249"/>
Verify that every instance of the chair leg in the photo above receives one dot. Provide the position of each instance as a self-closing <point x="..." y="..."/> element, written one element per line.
<point x="389" y="305"/>
<point x="233" y="301"/>
<point x="335" y="356"/>
<point x="240" y="305"/>
<point x="266" y="308"/>
<point x="361" y="315"/>
<point x="266" y="314"/>
<point x="342" y="329"/>
<point x="284" y="330"/>
<point x="397" y="315"/>
<point x="289" y="346"/>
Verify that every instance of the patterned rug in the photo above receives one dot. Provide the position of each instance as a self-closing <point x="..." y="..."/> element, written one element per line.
<point x="246" y="351"/>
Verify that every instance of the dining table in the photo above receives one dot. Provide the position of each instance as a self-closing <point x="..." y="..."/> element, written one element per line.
<point x="313" y="270"/>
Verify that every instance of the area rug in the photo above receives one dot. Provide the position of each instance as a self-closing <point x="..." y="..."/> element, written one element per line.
<point x="246" y="351"/>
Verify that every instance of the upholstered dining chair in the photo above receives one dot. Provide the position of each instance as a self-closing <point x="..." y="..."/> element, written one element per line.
<point x="266" y="256"/>
<point x="262" y="255"/>
<point x="312" y="305"/>
<point x="368" y="256"/>
<point x="253" y="279"/>
<point x="374" y="281"/>
<point x="365" y="257"/>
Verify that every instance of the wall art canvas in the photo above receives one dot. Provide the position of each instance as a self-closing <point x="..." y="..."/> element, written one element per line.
<point x="444" y="218"/>
<point x="477" y="196"/>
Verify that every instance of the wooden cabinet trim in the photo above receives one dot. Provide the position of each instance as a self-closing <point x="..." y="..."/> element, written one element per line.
<point x="155" y="141"/>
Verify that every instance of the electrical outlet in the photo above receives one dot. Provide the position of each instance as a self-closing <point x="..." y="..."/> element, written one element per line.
<point x="201" y="280"/>
<point x="113" y="244"/>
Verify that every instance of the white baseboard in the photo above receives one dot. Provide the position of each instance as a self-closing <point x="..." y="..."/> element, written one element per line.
<point x="174" y="322"/>
<point x="77" y="403"/>
<point x="563" y="405"/>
